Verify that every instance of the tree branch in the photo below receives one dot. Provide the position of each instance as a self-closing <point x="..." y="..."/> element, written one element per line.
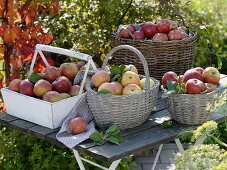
<point x="124" y="14"/>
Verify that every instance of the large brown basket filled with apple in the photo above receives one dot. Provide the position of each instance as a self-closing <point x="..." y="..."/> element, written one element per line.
<point x="191" y="98"/>
<point x="164" y="45"/>
<point x="133" y="107"/>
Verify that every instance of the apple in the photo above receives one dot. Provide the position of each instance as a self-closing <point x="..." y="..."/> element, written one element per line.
<point x="160" y="37"/>
<point x="211" y="75"/>
<point x="77" y="125"/>
<point x="135" y="27"/>
<point x="169" y="76"/>
<point x="184" y="35"/>
<point x="51" y="96"/>
<point x="83" y="68"/>
<point x="74" y="91"/>
<point x="15" y="85"/>
<point x="210" y="87"/>
<point x="100" y="77"/>
<point x="142" y="83"/>
<point x="62" y="84"/>
<point x="165" y="26"/>
<point x="174" y="35"/>
<point x="192" y="74"/>
<point x="79" y="64"/>
<point x="110" y="87"/>
<point x="195" y="86"/>
<point x="51" y="73"/>
<point x="199" y="69"/>
<point x="68" y="70"/>
<point x="41" y="87"/>
<point x="26" y="87"/>
<point x="132" y="68"/>
<point x="139" y="35"/>
<point x="64" y="96"/>
<point x="95" y="89"/>
<point x="149" y="29"/>
<point x="131" y="89"/>
<point x="124" y="33"/>
<point x="182" y="29"/>
<point x="118" y="87"/>
<point x="130" y="77"/>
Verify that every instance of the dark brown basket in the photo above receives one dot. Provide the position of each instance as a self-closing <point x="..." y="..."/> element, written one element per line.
<point x="161" y="57"/>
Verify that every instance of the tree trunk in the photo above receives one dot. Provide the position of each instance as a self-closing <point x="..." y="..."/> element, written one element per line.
<point x="7" y="55"/>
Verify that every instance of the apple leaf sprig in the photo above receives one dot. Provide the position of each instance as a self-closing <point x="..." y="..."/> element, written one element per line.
<point x="174" y="87"/>
<point x="111" y="135"/>
<point x="116" y="72"/>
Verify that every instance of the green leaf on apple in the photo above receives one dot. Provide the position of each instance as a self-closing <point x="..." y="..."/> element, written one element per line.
<point x="171" y="85"/>
<point x="34" y="77"/>
<point x="116" y="72"/>
<point x="168" y="93"/>
<point x="102" y="92"/>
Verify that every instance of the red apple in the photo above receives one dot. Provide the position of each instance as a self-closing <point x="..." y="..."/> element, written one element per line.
<point x="62" y="84"/>
<point x="160" y="37"/>
<point x="149" y="29"/>
<point x="139" y="35"/>
<point x="124" y="33"/>
<point x="195" y="86"/>
<point x="74" y="91"/>
<point x="163" y="26"/>
<point x="184" y="35"/>
<point x="79" y="64"/>
<point x="199" y="69"/>
<point x="26" y="87"/>
<point x="210" y="87"/>
<point x="15" y="85"/>
<point x="100" y="77"/>
<point x="182" y="29"/>
<point x="211" y="75"/>
<point x="173" y="25"/>
<point x="41" y="87"/>
<point x="77" y="125"/>
<point x="174" y="35"/>
<point x="118" y="87"/>
<point x="68" y="70"/>
<point x="51" y="73"/>
<point x="169" y="76"/>
<point x="51" y="96"/>
<point x="192" y="74"/>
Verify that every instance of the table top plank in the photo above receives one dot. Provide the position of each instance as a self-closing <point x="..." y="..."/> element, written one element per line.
<point x="5" y="119"/>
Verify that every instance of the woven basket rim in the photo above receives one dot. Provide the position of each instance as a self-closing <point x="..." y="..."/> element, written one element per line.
<point x="157" y="84"/>
<point x="193" y="35"/>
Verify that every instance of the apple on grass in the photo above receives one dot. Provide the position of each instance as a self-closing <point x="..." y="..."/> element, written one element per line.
<point x="100" y="77"/>
<point x="51" y="73"/>
<point x="68" y="70"/>
<point x="131" y="89"/>
<point x="77" y="125"/>
<point x="15" y="85"/>
<point x="130" y="77"/>
<point x="195" y="86"/>
<point x="41" y="87"/>
<point x="142" y="83"/>
<point x="26" y="87"/>
<point x="190" y="74"/>
<point x="109" y="87"/>
<point x="211" y="75"/>
<point x="171" y="76"/>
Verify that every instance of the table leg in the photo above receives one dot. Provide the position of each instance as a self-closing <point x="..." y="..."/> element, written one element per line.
<point x="200" y="140"/>
<point x="79" y="159"/>
<point x="157" y="156"/>
<point x="179" y="145"/>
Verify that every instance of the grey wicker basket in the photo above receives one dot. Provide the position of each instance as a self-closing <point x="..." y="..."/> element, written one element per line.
<point x="192" y="109"/>
<point x="125" y="111"/>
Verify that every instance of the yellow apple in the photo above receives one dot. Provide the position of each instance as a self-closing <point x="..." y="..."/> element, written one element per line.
<point x="131" y="89"/>
<point x="108" y="87"/>
<point x="131" y="68"/>
<point x="142" y="83"/>
<point x="100" y="77"/>
<point x="118" y="87"/>
<point x="129" y="77"/>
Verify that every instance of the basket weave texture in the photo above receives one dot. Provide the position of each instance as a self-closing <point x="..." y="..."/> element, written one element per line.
<point x="125" y="111"/>
<point x="161" y="57"/>
<point x="192" y="109"/>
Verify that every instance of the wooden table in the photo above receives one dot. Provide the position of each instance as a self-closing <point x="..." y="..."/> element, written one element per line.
<point x="137" y="139"/>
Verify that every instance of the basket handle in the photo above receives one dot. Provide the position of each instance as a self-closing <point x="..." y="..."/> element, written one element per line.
<point x="138" y="53"/>
<point x="74" y="54"/>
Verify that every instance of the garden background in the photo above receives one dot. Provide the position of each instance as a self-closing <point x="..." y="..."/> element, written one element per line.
<point x="86" y="26"/>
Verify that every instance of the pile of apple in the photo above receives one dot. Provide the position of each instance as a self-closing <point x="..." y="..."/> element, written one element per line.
<point x="129" y="83"/>
<point x="164" y="30"/>
<point x="53" y="84"/>
<point x="196" y="80"/>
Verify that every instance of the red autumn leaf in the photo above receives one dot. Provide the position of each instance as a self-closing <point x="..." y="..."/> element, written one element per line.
<point x="7" y="36"/>
<point x="12" y="33"/>
<point x="25" y="7"/>
<point x="3" y="29"/>
<point x="40" y="65"/>
<point x="16" y="62"/>
<point x="10" y="12"/>
<point x="45" y="39"/>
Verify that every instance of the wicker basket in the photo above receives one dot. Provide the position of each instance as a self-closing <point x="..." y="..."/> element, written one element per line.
<point x="161" y="57"/>
<point x="192" y="109"/>
<point x="125" y="111"/>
